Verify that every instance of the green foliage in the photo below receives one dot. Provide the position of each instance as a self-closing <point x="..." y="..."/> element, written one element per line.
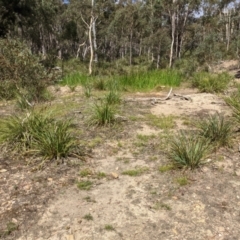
<point x="217" y="129"/>
<point x="102" y="114"/>
<point x="109" y="227"/>
<point x="188" y="150"/>
<point x="76" y="78"/>
<point x="112" y="98"/>
<point x="209" y="82"/>
<point x="162" y="122"/>
<point x="20" y="72"/>
<point x="84" y="185"/>
<point x="38" y="134"/>
<point x="149" y="80"/>
<point x="234" y="102"/>
<point x="166" y="168"/>
<point x="182" y="181"/>
<point x="135" y="172"/>
<point x="88" y="217"/>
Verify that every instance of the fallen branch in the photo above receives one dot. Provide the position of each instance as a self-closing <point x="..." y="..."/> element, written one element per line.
<point x="182" y="97"/>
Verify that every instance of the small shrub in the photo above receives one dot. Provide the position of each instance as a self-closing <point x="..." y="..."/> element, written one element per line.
<point x="208" y="82"/>
<point x="21" y="73"/>
<point x="102" y="114"/>
<point x="188" y="150"/>
<point x="217" y="129"/>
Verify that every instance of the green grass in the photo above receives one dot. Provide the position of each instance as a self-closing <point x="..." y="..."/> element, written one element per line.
<point x="135" y="172"/>
<point x="112" y="97"/>
<point x="160" y="205"/>
<point x="188" y="150"/>
<point x="166" y="168"/>
<point x="102" y="114"/>
<point x="148" y="80"/>
<point x="162" y="122"/>
<point x="37" y="133"/>
<point x="84" y="185"/>
<point x="211" y="83"/>
<point x="217" y="129"/>
<point x="182" y="181"/>
<point x="75" y="79"/>
<point x="88" y="217"/>
<point x="109" y="227"/>
<point x="85" y="172"/>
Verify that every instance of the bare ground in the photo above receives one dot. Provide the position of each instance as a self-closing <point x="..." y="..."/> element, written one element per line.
<point x="46" y="204"/>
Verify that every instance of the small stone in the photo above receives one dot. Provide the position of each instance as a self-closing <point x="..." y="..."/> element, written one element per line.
<point x="14" y="220"/>
<point x="3" y="170"/>
<point x="114" y="175"/>
<point x="69" y="237"/>
<point x="50" y="179"/>
<point x="208" y="188"/>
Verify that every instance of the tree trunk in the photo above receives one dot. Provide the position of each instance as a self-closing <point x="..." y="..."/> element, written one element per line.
<point x="173" y="24"/>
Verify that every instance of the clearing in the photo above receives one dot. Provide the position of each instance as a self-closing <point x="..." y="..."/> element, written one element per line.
<point x="122" y="192"/>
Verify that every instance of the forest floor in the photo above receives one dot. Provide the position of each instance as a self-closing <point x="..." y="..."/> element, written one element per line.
<point x="148" y="203"/>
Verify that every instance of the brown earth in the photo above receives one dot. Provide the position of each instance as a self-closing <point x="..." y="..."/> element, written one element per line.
<point x="46" y="204"/>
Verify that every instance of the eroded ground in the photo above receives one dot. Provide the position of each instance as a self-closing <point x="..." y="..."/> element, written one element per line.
<point x="173" y="204"/>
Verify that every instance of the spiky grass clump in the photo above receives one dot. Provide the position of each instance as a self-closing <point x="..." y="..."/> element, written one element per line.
<point x="112" y="98"/>
<point x="188" y="150"/>
<point x="217" y="129"/>
<point x="102" y="114"/>
<point x="38" y="134"/>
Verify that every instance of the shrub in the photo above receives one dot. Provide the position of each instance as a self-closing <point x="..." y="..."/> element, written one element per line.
<point x="208" y="82"/>
<point x="188" y="150"/>
<point x="216" y="129"/>
<point x="21" y="72"/>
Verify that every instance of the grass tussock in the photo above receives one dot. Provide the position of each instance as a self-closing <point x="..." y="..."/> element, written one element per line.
<point x="36" y="133"/>
<point x="188" y="150"/>
<point x="102" y="114"/>
<point x="217" y="129"/>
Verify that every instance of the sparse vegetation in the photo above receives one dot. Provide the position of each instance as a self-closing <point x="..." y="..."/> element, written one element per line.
<point x="88" y="217"/>
<point x="84" y="185"/>
<point x="135" y="172"/>
<point x="112" y="98"/>
<point x="162" y="122"/>
<point x="166" y="168"/>
<point x="85" y="172"/>
<point x="160" y="205"/>
<point x="109" y="227"/>
<point x="182" y="181"/>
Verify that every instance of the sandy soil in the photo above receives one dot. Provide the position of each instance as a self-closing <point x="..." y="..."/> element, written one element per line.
<point x="48" y="205"/>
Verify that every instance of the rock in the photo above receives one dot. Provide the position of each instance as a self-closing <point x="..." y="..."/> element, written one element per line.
<point x="114" y="175"/>
<point x="3" y="170"/>
<point x="69" y="237"/>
